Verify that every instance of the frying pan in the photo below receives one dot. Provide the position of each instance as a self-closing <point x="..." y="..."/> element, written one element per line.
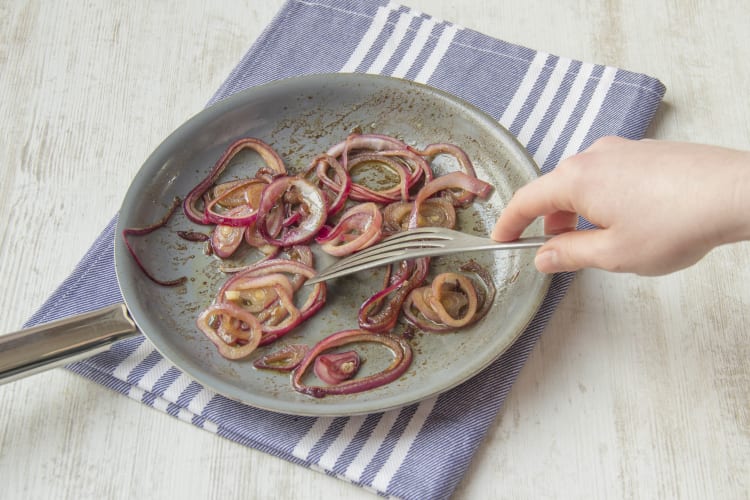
<point x="299" y="117"/>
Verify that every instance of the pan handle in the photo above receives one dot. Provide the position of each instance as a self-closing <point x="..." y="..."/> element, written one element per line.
<point x="60" y="342"/>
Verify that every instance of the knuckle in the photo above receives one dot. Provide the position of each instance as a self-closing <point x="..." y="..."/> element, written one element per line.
<point x="606" y="142"/>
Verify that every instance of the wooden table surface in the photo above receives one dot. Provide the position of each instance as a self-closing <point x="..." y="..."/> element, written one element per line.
<point x="638" y="389"/>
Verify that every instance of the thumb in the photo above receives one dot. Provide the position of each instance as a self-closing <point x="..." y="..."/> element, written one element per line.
<point x="574" y="250"/>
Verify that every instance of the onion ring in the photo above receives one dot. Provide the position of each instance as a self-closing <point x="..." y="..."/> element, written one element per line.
<point x="359" y="227"/>
<point x="402" y="357"/>
<point x="454" y="180"/>
<point x="272" y="160"/>
<point x="226" y="313"/>
<point x="285" y="359"/>
<point x="141" y="231"/>
<point x="298" y="196"/>
<point x="335" y="367"/>
<point x="433" y="212"/>
<point x="340" y="184"/>
<point x="380" y="312"/>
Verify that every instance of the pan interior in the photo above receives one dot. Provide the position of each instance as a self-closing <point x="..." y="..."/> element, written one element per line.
<point x="301" y="118"/>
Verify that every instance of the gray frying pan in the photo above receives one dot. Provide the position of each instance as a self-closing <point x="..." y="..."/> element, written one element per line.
<point x="300" y="118"/>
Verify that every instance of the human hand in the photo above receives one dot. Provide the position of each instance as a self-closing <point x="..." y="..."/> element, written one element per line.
<point x="659" y="206"/>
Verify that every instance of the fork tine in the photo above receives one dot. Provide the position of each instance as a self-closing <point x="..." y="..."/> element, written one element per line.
<point x="388" y="250"/>
<point x="412" y="235"/>
<point x="349" y="268"/>
<point x="402" y="240"/>
<point x="380" y="252"/>
<point x="426" y="237"/>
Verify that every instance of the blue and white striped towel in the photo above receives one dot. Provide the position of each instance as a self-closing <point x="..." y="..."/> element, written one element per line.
<point x="556" y="106"/>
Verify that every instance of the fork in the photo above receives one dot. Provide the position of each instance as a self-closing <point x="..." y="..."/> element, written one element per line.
<point x="420" y="242"/>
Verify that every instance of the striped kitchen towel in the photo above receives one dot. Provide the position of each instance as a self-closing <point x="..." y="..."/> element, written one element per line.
<point x="556" y="106"/>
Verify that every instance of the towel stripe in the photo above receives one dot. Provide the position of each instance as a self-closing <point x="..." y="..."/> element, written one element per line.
<point x="134" y="359"/>
<point x="372" y="445"/>
<point x="336" y="449"/>
<point x="544" y="100"/>
<point x="524" y="89"/>
<point x="306" y="444"/>
<point x="152" y="376"/>
<point x="199" y="402"/>
<point x="172" y="393"/>
<point x="594" y="105"/>
<point x="416" y="47"/>
<point x="564" y="114"/>
<point x="390" y="46"/>
<point x="446" y="37"/>
<point x="398" y="455"/>
<point x="378" y="23"/>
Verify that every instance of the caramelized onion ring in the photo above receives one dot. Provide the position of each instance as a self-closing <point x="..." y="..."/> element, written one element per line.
<point x="402" y="357"/>
<point x="335" y="367"/>
<point x="359" y="227"/>
<point x="302" y="200"/>
<point x="380" y="312"/>
<point x="433" y="212"/>
<point x="272" y="161"/>
<point x="340" y="183"/>
<point x="220" y="315"/>
<point x="285" y="359"/>
<point x="435" y="299"/>
<point x="454" y="180"/>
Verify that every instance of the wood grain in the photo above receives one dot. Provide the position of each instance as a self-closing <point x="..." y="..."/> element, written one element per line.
<point x="639" y="387"/>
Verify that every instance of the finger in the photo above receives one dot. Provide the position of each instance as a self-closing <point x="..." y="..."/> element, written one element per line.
<point x="575" y="250"/>
<point x="545" y="195"/>
<point x="607" y="142"/>
<point x="560" y="222"/>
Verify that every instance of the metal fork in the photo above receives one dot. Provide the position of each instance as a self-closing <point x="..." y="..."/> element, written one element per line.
<point x="421" y="242"/>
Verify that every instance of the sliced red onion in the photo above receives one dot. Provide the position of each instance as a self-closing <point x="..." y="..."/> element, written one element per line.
<point x="450" y="149"/>
<point x="299" y="272"/>
<point x="402" y="357"/>
<point x="336" y="367"/>
<point x="255" y="240"/>
<point x="399" y="191"/>
<point x="340" y="184"/>
<point x="436" y="298"/>
<point x="285" y="359"/>
<point x="380" y="312"/>
<point x="359" y="227"/>
<point x="239" y="212"/>
<point x="301" y="254"/>
<point x="256" y="293"/>
<point x="305" y="198"/>
<point x="421" y="310"/>
<point x="371" y="142"/>
<point x="216" y="317"/>
<point x="433" y="212"/>
<point x="273" y="162"/>
<point x="454" y="180"/>
<point x="489" y="292"/>
<point x="226" y="239"/>
<point x="420" y="168"/>
<point x="269" y="296"/>
<point x="141" y="231"/>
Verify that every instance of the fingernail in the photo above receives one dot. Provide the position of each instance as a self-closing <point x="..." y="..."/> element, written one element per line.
<point x="547" y="261"/>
